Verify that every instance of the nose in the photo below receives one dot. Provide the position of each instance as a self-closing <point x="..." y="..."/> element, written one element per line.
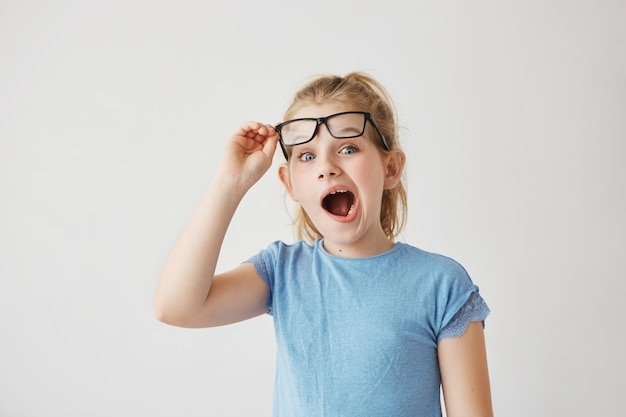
<point x="327" y="166"/>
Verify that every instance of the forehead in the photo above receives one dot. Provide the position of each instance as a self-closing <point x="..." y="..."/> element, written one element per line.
<point x="320" y="109"/>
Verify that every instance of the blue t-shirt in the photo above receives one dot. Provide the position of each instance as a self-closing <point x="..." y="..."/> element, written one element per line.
<point x="358" y="337"/>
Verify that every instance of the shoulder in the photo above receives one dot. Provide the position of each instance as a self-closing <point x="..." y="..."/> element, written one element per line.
<point x="280" y="249"/>
<point x="435" y="273"/>
<point x="278" y="254"/>
<point x="429" y="262"/>
<point x="450" y="285"/>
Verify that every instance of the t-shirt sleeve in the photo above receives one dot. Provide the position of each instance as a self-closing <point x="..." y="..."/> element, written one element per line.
<point x="263" y="266"/>
<point x="474" y="309"/>
<point x="458" y="302"/>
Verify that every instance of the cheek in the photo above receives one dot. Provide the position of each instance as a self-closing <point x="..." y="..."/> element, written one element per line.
<point x="302" y="192"/>
<point x="371" y="175"/>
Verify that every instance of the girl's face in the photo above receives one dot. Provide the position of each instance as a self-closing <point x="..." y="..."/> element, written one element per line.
<point x="340" y="183"/>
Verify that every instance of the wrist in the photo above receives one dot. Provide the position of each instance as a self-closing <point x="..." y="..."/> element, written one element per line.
<point x="228" y="184"/>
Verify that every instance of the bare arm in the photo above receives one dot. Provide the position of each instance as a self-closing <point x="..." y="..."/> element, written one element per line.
<point x="464" y="374"/>
<point x="188" y="293"/>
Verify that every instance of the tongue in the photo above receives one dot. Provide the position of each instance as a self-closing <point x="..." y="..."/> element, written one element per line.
<point x="339" y="204"/>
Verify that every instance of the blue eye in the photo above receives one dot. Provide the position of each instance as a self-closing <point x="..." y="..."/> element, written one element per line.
<point x="348" y="150"/>
<point x="306" y="156"/>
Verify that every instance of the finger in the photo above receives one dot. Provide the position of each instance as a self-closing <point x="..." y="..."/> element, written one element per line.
<point x="258" y="131"/>
<point x="271" y="130"/>
<point x="269" y="146"/>
<point x="249" y="127"/>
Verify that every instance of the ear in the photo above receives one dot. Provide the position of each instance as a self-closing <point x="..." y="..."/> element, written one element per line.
<point x="394" y="168"/>
<point x="285" y="178"/>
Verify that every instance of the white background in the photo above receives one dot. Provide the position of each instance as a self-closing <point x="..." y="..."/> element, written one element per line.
<point x="112" y="117"/>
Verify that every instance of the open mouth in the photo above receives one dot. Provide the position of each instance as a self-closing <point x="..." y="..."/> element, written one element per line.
<point x="339" y="202"/>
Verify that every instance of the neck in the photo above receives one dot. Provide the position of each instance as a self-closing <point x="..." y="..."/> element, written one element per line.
<point x="357" y="250"/>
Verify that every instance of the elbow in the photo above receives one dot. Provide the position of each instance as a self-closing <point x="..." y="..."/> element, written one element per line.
<point x="175" y="316"/>
<point x="162" y="313"/>
<point x="172" y="318"/>
<point x="167" y="309"/>
<point x="167" y="314"/>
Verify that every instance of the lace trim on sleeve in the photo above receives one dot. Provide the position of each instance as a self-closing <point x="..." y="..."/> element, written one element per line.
<point x="474" y="309"/>
<point x="261" y="269"/>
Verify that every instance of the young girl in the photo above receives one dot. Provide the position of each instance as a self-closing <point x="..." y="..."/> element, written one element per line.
<point x="365" y="326"/>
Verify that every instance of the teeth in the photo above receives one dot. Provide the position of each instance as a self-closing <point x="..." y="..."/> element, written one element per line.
<point x="351" y="209"/>
<point x="338" y="191"/>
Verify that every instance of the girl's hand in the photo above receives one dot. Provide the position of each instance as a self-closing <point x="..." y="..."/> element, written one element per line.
<point x="249" y="153"/>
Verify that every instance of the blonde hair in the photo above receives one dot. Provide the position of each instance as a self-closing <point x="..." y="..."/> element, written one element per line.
<point x="363" y="93"/>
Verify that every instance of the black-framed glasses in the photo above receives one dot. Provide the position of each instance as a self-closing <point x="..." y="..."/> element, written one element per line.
<point x="344" y="125"/>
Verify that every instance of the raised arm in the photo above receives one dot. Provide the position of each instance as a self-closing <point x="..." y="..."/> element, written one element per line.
<point x="464" y="374"/>
<point x="188" y="293"/>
